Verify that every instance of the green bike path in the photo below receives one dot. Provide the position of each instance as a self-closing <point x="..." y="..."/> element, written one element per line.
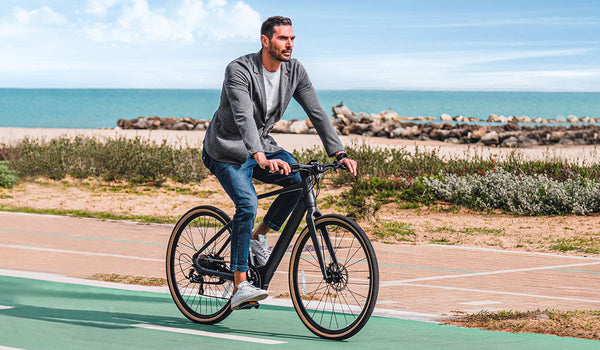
<point x="36" y="314"/>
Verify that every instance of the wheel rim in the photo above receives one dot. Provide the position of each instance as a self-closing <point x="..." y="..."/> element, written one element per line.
<point x="199" y="297"/>
<point x="336" y="306"/>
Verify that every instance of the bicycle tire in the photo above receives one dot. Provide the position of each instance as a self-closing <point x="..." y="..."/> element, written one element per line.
<point x="339" y="309"/>
<point x="199" y="302"/>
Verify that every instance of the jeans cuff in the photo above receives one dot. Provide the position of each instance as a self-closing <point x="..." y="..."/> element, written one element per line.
<point x="271" y="225"/>
<point x="241" y="268"/>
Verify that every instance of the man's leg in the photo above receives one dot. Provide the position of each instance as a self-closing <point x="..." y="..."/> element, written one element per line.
<point x="284" y="203"/>
<point x="236" y="180"/>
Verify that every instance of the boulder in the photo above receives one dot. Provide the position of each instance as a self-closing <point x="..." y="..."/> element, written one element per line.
<point x="141" y="123"/>
<point x="555" y="136"/>
<point x="299" y="127"/>
<point x="438" y="134"/>
<point x="389" y="115"/>
<point x="282" y="126"/>
<point x="493" y="118"/>
<point x="524" y="119"/>
<point x="512" y="126"/>
<point x="445" y="117"/>
<point x="478" y="133"/>
<point x="124" y="123"/>
<point x="525" y="141"/>
<point x="410" y="132"/>
<point x="572" y="119"/>
<point x="510" y="142"/>
<point x="341" y="110"/>
<point x="491" y="138"/>
<point x="453" y="140"/>
<point x="182" y="126"/>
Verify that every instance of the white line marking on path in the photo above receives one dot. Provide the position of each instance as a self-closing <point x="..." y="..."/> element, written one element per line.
<point x="500" y="251"/>
<point x="78" y="252"/>
<point x="403" y="282"/>
<point x="404" y="315"/>
<point x="79" y="281"/>
<point x="4" y="307"/>
<point x="9" y="348"/>
<point x="481" y="303"/>
<point x="503" y="293"/>
<point x="209" y="334"/>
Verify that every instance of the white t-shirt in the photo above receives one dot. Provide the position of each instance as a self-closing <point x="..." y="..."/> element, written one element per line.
<point x="271" y="80"/>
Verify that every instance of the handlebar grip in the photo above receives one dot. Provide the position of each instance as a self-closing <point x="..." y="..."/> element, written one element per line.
<point x="343" y="166"/>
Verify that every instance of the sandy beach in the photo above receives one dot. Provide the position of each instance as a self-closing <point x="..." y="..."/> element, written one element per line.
<point x="572" y="154"/>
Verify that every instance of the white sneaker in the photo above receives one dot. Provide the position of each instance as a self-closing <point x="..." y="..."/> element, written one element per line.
<point x="245" y="293"/>
<point x="260" y="249"/>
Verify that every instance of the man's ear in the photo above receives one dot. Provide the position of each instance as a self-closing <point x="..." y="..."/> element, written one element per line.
<point x="264" y="40"/>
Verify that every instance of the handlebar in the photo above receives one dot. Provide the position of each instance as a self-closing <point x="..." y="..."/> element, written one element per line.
<point x="315" y="168"/>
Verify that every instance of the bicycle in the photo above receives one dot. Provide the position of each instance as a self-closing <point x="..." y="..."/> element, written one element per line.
<point x="333" y="272"/>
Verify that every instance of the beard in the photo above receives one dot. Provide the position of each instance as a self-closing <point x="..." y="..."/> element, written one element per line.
<point x="279" y="55"/>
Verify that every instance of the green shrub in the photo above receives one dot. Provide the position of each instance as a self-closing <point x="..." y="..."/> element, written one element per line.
<point x="8" y="177"/>
<point x="112" y="159"/>
<point x="522" y="194"/>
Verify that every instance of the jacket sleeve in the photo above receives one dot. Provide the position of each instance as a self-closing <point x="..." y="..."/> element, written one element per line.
<point x="237" y="86"/>
<point x="307" y="98"/>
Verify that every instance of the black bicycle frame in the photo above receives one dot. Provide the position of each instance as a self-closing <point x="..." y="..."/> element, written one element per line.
<point x="306" y="205"/>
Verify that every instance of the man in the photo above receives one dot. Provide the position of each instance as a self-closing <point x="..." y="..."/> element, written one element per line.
<point x="237" y="147"/>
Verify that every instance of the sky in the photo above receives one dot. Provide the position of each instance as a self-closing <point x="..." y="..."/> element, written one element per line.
<point x="506" y="45"/>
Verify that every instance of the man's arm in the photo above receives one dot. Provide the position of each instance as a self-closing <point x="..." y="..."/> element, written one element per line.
<point x="237" y="87"/>
<point x="306" y="96"/>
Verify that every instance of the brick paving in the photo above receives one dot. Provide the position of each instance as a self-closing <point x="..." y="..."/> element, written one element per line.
<point x="424" y="279"/>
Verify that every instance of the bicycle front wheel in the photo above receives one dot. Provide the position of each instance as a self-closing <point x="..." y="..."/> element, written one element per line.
<point x="338" y="308"/>
<point x="201" y="298"/>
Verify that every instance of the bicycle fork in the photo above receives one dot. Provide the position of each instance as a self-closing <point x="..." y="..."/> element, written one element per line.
<point x="311" y="213"/>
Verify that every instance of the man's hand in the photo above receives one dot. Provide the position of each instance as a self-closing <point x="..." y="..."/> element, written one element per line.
<point x="275" y="165"/>
<point x="351" y="164"/>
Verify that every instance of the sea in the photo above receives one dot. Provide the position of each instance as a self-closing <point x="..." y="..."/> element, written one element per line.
<point x="101" y="108"/>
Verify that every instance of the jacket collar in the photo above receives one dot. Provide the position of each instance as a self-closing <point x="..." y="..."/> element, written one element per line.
<point x="284" y="77"/>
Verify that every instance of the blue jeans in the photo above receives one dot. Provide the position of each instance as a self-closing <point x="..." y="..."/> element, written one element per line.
<point x="236" y="180"/>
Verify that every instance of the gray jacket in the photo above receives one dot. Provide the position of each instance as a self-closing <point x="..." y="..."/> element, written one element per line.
<point x="239" y="128"/>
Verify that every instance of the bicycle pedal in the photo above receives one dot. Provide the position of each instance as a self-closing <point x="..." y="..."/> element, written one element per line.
<point x="249" y="305"/>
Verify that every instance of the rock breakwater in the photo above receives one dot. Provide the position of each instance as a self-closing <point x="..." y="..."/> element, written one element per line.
<point x="495" y="131"/>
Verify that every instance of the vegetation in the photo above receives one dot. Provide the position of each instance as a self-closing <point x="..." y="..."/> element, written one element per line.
<point x="579" y="324"/>
<point x="8" y="177"/>
<point x="128" y="279"/>
<point x="512" y="184"/>
<point x="147" y="219"/>
<point x="136" y="160"/>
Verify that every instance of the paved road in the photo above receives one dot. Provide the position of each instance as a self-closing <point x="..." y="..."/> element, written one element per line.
<point x="37" y="314"/>
<point x="417" y="283"/>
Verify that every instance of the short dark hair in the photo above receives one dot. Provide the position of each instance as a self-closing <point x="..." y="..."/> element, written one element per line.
<point x="267" y="28"/>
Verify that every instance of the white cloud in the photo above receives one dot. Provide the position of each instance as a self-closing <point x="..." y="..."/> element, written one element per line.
<point x="137" y="21"/>
<point x="192" y="20"/>
<point x="447" y="70"/>
<point x="100" y="7"/>
<point x="41" y="16"/>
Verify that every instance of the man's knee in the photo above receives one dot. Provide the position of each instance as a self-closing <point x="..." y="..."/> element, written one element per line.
<point x="246" y="208"/>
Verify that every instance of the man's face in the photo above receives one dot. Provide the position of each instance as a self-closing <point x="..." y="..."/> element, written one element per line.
<point x="281" y="44"/>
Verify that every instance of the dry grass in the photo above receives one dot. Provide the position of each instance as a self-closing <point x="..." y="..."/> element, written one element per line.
<point x="128" y="279"/>
<point x="576" y="324"/>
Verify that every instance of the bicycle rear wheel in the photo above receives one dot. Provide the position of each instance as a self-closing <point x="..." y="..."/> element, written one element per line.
<point x="339" y="308"/>
<point x="201" y="298"/>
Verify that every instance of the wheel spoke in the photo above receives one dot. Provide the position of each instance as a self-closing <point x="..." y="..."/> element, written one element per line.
<point x="198" y="300"/>
<point x="334" y="308"/>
